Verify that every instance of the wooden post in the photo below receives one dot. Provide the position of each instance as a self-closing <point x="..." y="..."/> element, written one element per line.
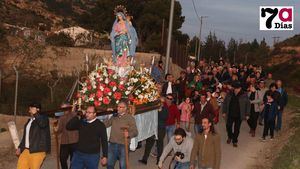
<point x="125" y="129"/>
<point x="55" y="125"/>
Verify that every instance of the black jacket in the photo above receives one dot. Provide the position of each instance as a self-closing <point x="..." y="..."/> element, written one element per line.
<point x="244" y="104"/>
<point x="39" y="135"/>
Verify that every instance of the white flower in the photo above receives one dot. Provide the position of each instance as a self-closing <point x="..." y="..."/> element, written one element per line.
<point x="106" y="81"/>
<point x="117" y="101"/>
<point x="109" y="93"/>
<point x="100" y="98"/>
<point x="101" y="88"/>
<point x="140" y="96"/>
<point x="127" y="92"/>
<point x="114" y="88"/>
<point x="115" y="76"/>
<point x="122" y="82"/>
<point x="91" y="99"/>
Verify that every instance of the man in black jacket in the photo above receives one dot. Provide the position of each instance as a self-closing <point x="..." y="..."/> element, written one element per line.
<point x="236" y="108"/>
<point x="36" y="140"/>
<point x="92" y="134"/>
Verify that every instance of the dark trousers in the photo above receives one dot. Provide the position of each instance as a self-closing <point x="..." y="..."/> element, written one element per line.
<point x="82" y="160"/>
<point x="233" y="135"/>
<point x="252" y="121"/>
<point x="269" y="125"/>
<point x="66" y="151"/>
<point x="161" y="133"/>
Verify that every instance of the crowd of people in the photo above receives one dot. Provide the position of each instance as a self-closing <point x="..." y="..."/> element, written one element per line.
<point x="190" y="107"/>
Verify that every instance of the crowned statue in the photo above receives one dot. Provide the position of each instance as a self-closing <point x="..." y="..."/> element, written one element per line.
<point x="123" y="38"/>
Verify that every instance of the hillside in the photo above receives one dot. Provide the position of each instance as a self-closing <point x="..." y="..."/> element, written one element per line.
<point x="54" y="14"/>
<point x="284" y="61"/>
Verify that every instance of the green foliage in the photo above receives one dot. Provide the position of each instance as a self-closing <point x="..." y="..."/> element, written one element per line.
<point x="3" y="130"/>
<point x="147" y="15"/>
<point x="2" y="33"/>
<point x="289" y="157"/>
<point x="60" y="39"/>
<point x="31" y="89"/>
<point x="60" y="7"/>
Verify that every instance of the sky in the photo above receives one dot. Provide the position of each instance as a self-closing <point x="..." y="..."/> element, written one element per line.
<point x="238" y="19"/>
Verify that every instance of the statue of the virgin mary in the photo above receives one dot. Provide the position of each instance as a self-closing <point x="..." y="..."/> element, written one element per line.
<point x="123" y="38"/>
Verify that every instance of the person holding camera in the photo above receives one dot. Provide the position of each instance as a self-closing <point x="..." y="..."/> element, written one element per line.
<point x="92" y="135"/>
<point x="207" y="147"/>
<point x="182" y="145"/>
<point x="36" y="141"/>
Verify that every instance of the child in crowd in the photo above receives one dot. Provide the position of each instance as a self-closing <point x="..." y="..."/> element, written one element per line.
<point x="270" y="111"/>
<point x="186" y="109"/>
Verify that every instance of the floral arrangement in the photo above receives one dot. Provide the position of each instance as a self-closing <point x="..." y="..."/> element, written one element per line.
<point x="142" y="86"/>
<point x="105" y="88"/>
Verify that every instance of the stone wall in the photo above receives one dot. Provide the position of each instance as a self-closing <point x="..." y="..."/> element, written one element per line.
<point x="68" y="60"/>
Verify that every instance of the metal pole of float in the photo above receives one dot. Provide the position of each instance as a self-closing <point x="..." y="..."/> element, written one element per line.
<point x="16" y="94"/>
<point x="169" y="36"/>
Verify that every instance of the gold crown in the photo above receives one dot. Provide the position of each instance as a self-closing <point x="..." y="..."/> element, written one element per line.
<point x="120" y="8"/>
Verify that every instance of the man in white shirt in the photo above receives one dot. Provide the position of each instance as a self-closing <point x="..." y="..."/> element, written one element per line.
<point x="36" y="140"/>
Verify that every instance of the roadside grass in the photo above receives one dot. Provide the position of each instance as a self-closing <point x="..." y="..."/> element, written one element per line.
<point x="289" y="157"/>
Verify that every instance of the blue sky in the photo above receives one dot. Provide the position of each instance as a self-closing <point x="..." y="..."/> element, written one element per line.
<point x="234" y="18"/>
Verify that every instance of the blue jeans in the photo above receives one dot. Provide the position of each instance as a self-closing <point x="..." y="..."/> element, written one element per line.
<point x="82" y="160"/>
<point x="116" y="152"/>
<point x="279" y="120"/>
<point x="198" y="128"/>
<point x="179" y="165"/>
<point x="170" y="131"/>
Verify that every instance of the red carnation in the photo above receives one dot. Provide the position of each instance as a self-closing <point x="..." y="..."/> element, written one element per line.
<point x="78" y="95"/>
<point x="121" y="87"/>
<point x="92" y="95"/>
<point x="97" y="103"/>
<point x="110" y="71"/>
<point x="112" y="84"/>
<point x="89" y="87"/>
<point x="106" y="90"/>
<point x="106" y="100"/>
<point x="117" y="95"/>
<point x="130" y="97"/>
<point x="99" y="93"/>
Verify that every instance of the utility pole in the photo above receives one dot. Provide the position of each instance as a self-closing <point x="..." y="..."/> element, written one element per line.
<point x="275" y="40"/>
<point x="200" y="31"/>
<point x="16" y="94"/>
<point x="169" y="36"/>
<point x="162" y="39"/>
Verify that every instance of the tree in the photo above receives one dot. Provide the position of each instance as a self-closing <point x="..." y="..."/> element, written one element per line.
<point x="148" y="16"/>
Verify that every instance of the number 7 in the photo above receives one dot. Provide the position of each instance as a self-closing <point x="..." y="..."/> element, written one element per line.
<point x="273" y="13"/>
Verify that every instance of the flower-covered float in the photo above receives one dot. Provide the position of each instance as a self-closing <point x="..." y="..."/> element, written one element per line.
<point x="107" y="85"/>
